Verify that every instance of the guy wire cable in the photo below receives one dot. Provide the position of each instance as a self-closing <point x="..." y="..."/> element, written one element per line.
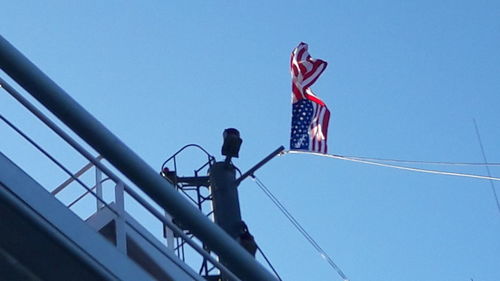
<point x="269" y="263"/>
<point x="299" y="227"/>
<point x="427" y="171"/>
<point x="377" y="159"/>
<point x="492" y="184"/>
<point x="442" y="163"/>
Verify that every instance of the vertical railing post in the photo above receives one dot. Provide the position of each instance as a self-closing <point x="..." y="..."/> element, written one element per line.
<point x="169" y="234"/>
<point x="98" y="189"/>
<point x="121" y="236"/>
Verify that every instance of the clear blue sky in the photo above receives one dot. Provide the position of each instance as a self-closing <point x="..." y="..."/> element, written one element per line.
<point x="405" y="80"/>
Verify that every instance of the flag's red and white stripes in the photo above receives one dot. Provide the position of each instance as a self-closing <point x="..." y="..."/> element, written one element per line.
<point x="319" y="129"/>
<point x="305" y="71"/>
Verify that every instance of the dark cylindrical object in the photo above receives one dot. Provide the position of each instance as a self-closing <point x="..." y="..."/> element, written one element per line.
<point x="232" y="143"/>
<point x="225" y="200"/>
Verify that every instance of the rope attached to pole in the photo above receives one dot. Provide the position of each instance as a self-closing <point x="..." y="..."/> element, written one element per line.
<point x="324" y="255"/>
<point x="375" y="163"/>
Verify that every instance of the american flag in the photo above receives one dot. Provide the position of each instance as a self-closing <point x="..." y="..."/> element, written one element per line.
<point x="310" y="116"/>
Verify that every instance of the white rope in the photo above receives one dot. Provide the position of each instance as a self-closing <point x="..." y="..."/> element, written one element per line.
<point x="443" y="163"/>
<point x="323" y="254"/>
<point x="359" y="160"/>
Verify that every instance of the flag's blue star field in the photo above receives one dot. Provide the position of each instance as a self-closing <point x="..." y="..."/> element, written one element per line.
<point x="302" y="113"/>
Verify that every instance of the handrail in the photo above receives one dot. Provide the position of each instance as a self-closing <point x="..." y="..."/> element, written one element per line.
<point x="114" y="177"/>
<point x="85" y="194"/>
<point x="77" y="174"/>
<point x="39" y="148"/>
<point x="210" y="157"/>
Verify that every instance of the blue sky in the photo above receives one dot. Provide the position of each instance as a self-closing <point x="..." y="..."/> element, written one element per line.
<point x="405" y="80"/>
